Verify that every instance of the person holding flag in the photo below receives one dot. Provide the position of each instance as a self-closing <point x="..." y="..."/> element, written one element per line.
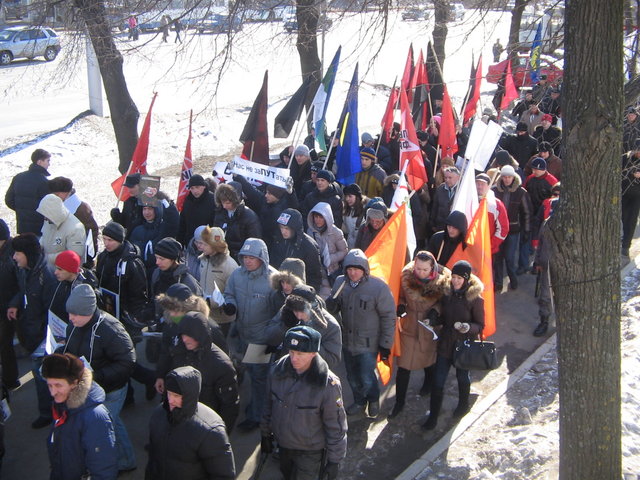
<point x="198" y="209"/>
<point x="462" y="318"/>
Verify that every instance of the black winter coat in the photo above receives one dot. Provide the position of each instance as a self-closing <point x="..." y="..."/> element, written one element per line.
<point x="241" y="225"/>
<point x="123" y="273"/>
<point x="219" y="390"/>
<point x="8" y="277"/>
<point x="516" y="201"/>
<point x="160" y="280"/>
<point x="630" y="184"/>
<point x="106" y="345"/>
<point x="196" y="212"/>
<point x="24" y="195"/>
<point x="332" y="196"/>
<point x="442" y="246"/>
<point x="130" y="216"/>
<point x="36" y="286"/>
<point x="520" y="147"/>
<point x="188" y="443"/>
<point x="441" y="206"/>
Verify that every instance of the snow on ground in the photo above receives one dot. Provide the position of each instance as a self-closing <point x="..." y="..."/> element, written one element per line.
<point x="517" y="437"/>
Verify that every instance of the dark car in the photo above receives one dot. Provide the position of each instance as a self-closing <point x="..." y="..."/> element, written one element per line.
<point x="28" y="42"/>
<point x="415" y="14"/>
<point x="218" y="23"/>
<point x="291" y="23"/>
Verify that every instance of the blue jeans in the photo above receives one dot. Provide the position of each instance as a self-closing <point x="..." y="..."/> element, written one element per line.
<point x="506" y="254"/>
<point x="525" y="253"/>
<point x="126" y="454"/>
<point x="361" y="374"/>
<point x="442" y="371"/>
<point x="258" y="373"/>
<point x="42" y="390"/>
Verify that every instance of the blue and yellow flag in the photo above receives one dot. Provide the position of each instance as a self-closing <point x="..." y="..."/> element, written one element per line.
<point x="534" y="60"/>
<point x="348" y="150"/>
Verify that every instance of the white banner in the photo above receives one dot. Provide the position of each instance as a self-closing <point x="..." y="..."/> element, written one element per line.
<point x="482" y="142"/>
<point x="278" y="177"/>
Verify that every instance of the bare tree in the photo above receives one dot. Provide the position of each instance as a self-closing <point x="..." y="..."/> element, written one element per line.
<point x="586" y="232"/>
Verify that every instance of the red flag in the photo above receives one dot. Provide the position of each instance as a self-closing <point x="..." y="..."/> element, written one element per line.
<point x="419" y="87"/>
<point x="139" y="158"/>
<point x="447" y="135"/>
<point x="387" y="256"/>
<point x="408" y="72"/>
<point x="256" y="134"/>
<point x="187" y="170"/>
<point x="387" y="119"/>
<point x="474" y="95"/>
<point x="478" y="254"/>
<point x="510" y="92"/>
<point x="409" y="147"/>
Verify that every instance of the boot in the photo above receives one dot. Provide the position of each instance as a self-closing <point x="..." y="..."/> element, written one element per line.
<point x="437" y="396"/>
<point x="463" y="401"/>
<point x="428" y="381"/>
<point x="542" y="327"/>
<point x="402" y="384"/>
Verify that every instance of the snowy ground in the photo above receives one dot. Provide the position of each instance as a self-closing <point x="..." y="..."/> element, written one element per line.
<point x="517" y="437"/>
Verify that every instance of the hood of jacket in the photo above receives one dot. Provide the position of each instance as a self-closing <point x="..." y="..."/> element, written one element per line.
<point x="356" y="258"/>
<point x="51" y="207"/>
<point x="193" y="303"/>
<point x="196" y="328"/>
<point x="324" y="209"/>
<point x="458" y="220"/>
<point x="292" y="218"/>
<point x="86" y="394"/>
<point x="501" y="187"/>
<point x="158" y="218"/>
<point x="472" y="290"/>
<point x="190" y="381"/>
<point x="255" y="247"/>
<point x="284" y="276"/>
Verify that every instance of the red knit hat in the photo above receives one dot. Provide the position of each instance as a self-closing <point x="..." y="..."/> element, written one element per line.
<point x="68" y="261"/>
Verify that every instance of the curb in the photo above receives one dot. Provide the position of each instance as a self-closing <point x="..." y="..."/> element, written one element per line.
<point x="478" y="409"/>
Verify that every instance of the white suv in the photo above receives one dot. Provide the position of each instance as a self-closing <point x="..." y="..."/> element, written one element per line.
<point x="28" y="42"/>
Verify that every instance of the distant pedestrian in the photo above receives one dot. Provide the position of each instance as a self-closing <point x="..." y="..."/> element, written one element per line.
<point x="187" y="440"/>
<point x="26" y="191"/>
<point x="133" y="28"/>
<point x="306" y="434"/>
<point x="82" y="443"/>
<point x="497" y="50"/>
<point x="165" y="23"/>
<point x="177" y="25"/>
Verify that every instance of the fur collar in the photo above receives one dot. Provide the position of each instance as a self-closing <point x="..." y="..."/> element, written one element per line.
<point x="473" y="291"/>
<point x="193" y="303"/>
<point x="277" y="277"/>
<point x="317" y="375"/>
<point x="415" y="290"/>
<point x="512" y="188"/>
<point x="78" y="396"/>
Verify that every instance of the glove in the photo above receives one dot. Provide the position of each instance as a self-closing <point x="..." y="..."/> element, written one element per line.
<point x="288" y="317"/>
<point x="331" y="471"/>
<point x="332" y="305"/>
<point x="462" y="327"/>
<point x="115" y="214"/>
<point x="433" y="316"/>
<point x="384" y="353"/>
<point x="401" y="311"/>
<point x="266" y="444"/>
<point x="229" y="308"/>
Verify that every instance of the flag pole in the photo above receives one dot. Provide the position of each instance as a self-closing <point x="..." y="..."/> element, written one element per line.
<point x="122" y="186"/>
<point x="253" y="144"/>
<point x="435" y="163"/>
<point x="306" y="120"/>
<point x="326" y="159"/>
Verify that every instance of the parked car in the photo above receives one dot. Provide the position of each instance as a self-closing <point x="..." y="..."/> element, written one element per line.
<point x="415" y="14"/>
<point x="522" y="71"/>
<point x="457" y="12"/>
<point x="291" y="23"/>
<point x="218" y="23"/>
<point x="28" y="42"/>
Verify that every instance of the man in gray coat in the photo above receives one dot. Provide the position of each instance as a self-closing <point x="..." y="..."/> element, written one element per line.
<point x="304" y="410"/>
<point x="246" y="295"/>
<point x="368" y="323"/>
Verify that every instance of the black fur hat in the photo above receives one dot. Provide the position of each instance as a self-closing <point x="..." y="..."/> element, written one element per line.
<point x="28" y="244"/>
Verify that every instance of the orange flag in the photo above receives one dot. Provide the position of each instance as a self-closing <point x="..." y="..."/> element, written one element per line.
<point x="139" y="158"/>
<point x="387" y="256"/>
<point x="478" y="254"/>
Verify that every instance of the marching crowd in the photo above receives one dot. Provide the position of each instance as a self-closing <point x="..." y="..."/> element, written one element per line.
<point x="264" y="285"/>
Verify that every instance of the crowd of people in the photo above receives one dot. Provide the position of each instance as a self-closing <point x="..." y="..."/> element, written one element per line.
<point x="266" y="285"/>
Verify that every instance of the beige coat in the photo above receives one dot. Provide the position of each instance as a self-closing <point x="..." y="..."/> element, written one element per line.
<point x="63" y="231"/>
<point x="418" y="348"/>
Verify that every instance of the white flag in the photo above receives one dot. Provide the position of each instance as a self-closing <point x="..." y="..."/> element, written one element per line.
<point x="400" y="196"/>
<point x="466" y="199"/>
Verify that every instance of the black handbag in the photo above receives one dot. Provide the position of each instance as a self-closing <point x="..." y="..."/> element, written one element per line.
<point x="475" y="355"/>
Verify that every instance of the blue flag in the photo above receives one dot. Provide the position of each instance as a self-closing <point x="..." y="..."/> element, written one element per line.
<point x="348" y="150"/>
<point x="534" y="60"/>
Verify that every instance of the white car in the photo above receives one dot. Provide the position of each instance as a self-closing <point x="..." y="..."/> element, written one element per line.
<point x="28" y="42"/>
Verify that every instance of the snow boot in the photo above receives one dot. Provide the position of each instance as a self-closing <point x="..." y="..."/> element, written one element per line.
<point x="437" y="395"/>
<point x="542" y="327"/>
<point x="463" y="401"/>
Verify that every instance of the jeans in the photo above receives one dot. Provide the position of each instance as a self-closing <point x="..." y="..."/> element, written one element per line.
<point x="42" y="390"/>
<point x="258" y="373"/>
<point x="442" y="371"/>
<point x="506" y="254"/>
<point x="525" y="254"/>
<point x="361" y="374"/>
<point x="126" y="454"/>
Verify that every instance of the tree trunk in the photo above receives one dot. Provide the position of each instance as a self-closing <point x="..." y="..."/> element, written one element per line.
<point x="586" y="234"/>
<point x="441" y="14"/>
<point x="514" y="30"/>
<point x="307" y="14"/>
<point x="124" y="113"/>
